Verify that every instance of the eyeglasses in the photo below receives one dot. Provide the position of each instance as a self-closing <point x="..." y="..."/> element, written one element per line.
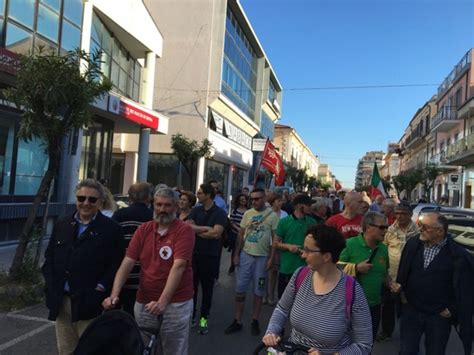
<point x="308" y="250"/>
<point x="382" y="227"/>
<point x="427" y="227"/>
<point x="91" y="199"/>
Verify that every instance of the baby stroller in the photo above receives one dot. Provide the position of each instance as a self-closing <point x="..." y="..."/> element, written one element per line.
<point x="116" y="333"/>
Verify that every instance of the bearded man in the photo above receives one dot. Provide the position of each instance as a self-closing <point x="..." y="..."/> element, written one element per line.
<point x="164" y="248"/>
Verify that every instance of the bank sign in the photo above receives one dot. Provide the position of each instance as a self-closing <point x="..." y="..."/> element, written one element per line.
<point x="133" y="112"/>
<point x="8" y="61"/>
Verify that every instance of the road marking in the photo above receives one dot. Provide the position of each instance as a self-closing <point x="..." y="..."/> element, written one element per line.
<point x="25" y="336"/>
<point x="23" y="317"/>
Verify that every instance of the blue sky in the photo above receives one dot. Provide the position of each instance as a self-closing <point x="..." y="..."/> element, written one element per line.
<point x="329" y="43"/>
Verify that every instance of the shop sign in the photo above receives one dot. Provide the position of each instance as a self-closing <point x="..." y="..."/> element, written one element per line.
<point x="258" y="144"/>
<point x="237" y="135"/>
<point x="8" y="61"/>
<point x="133" y="112"/>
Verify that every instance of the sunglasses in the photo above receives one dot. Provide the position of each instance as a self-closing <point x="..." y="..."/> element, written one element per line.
<point x="382" y="227"/>
<point x="91" y="199"/>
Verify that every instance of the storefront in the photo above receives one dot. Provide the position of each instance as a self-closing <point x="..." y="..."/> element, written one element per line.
<point x="232" y="156"/>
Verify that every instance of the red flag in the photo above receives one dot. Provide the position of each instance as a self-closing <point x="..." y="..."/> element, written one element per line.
<point x="337" y="186"/>
<point x="273" y="162"/>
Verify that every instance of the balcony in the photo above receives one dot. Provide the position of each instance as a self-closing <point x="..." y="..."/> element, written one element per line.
<point x="462" y="152"/>
<point x="440" y="161"/>
<point x="445" y="119"/>
<point x="415" y="139"/>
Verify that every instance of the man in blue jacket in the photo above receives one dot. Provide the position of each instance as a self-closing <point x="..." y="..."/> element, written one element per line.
<point x="436" y="279"/>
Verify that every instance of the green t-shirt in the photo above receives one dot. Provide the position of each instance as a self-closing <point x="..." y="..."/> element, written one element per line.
<point x="292" y="230"/>
<point x="356" y="251"/>
<point x="259" y="227"/>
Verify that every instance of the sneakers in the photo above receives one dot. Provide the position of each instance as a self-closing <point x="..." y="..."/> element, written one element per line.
<point x="203" y="328"/>
<point x="254" y="327"/>
<point x="234" y="327"/>
<point x="382" y="337"/>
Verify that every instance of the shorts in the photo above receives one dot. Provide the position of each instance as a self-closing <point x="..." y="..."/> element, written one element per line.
<point x="252" y="269"/>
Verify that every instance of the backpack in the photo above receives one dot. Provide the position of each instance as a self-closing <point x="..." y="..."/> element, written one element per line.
<point x="350" y="288"/>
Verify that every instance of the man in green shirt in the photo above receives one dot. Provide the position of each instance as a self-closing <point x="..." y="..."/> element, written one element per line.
<point x="290" y="236"/>
<point x="370" y="257"/>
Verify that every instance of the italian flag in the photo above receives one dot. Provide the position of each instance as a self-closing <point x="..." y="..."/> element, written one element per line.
<point x="376" y="186"/>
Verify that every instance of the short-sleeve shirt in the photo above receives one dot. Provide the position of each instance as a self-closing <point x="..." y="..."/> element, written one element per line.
<point x="292" y="230"/>
<point x="259" y="227"/>
<point x="157" y="253"/>
<point x="356" y="251"/>
<point x="211" y="217"/>
<point x="347" y="227"/>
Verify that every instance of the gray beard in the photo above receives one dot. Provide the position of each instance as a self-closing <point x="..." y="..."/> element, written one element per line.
<point x="164" y="219"/>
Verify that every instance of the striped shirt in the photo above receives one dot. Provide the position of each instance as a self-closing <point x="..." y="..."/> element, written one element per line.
<point x="235" y="218"/>
<point x="320" y="321"/>
<point x="430" y="252"/>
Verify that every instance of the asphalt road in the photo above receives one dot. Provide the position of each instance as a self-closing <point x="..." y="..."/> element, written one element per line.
<point x="29" y="332"/>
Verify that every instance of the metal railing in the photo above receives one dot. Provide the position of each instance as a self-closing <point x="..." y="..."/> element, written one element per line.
<point x="447" y="113"/>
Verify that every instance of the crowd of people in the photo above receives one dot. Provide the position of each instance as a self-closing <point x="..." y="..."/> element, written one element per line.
<point x="335" y="266"/>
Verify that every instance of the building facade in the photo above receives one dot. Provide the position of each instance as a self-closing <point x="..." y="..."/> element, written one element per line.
<point x="215" y="82"/>
<point x="365" y="167"/>
<point x="294" y="151"/>
<point x="129" y="50"/>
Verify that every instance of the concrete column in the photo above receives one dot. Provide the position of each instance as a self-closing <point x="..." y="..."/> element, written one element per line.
<point x="229" y="185"/>
<point x="148" y="83"/>
<point x="200" y="172"/>
<point x="143" y="154"/>
<point x="130" y="170"/>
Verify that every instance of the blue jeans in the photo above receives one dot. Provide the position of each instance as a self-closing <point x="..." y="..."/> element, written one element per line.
<point x="413" y="324"/>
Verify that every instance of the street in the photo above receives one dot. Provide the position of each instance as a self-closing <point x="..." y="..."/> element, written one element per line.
<point x="29" y="332"/>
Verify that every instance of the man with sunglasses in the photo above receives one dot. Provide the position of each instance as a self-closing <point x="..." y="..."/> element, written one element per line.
<point x="253" y="258"/>
<point x="436" y="276"/>
<point x="368" y="257"/>
<point x="83" y="254"/>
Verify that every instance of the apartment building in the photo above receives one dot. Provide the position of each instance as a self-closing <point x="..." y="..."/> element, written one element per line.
<point x="391" y="162"/>
<point x="415" y="145"/>
<point x="215" y="82"/>
<point x="294" y="151"/>
<point x="130" y="49"/>
<point x="325" y="175"/>
<point x="455" y="122"/>
<point x="365" y="167"/>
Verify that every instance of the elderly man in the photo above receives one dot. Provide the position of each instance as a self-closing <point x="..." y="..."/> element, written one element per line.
<point x="348" y="222"/>
<point x="376" y="206"/>
<point x="436" y="276"/>
<point x="83" y="253"/>
<point x="319" y="210"/>
<point x="164" y="248"/>
<point x="388" y="209"/>
<point x="369" y="256"/>
<point x="395" y="239"/>
<point x="130" y="218"/>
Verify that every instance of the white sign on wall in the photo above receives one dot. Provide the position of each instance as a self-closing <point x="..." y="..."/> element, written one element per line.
<point x="258" y="144"/>
<point x="454" y="182"/>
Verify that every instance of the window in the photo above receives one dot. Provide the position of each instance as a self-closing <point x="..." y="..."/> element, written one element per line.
<point x="267" y="127"/>
<point x="54" y="4"/>
<point x="73" y="11"/>
<point x="18" y="40"/>
<point x="22" y="11"/>
<point x="32" y="163"/>
<point x="239" y="74"/>
<point x="6" y="153"/>
<point x="118" y="65"/>
<point x="48" y="23"/>
<point x="218" y="171"/>
<point x="165" y="168"/>
<point x="71" y="36"/>
<point x="271" y="92"/>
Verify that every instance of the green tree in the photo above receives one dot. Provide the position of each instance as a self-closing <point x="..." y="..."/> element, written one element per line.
<point x="428" y="177"/>
<point x="188" y="153"/>
<point x="407" y="181"/>
<point x="54" y="93"/>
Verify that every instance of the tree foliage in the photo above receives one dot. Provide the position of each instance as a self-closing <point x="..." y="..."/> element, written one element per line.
<point x="407" y="181"/>
<point x="428" y="177"/>
<point x="54" y="93"/>
<point x="189" y="152"/>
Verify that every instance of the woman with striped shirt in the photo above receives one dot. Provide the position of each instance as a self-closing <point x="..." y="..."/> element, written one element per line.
<point x="317" y="303"/>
